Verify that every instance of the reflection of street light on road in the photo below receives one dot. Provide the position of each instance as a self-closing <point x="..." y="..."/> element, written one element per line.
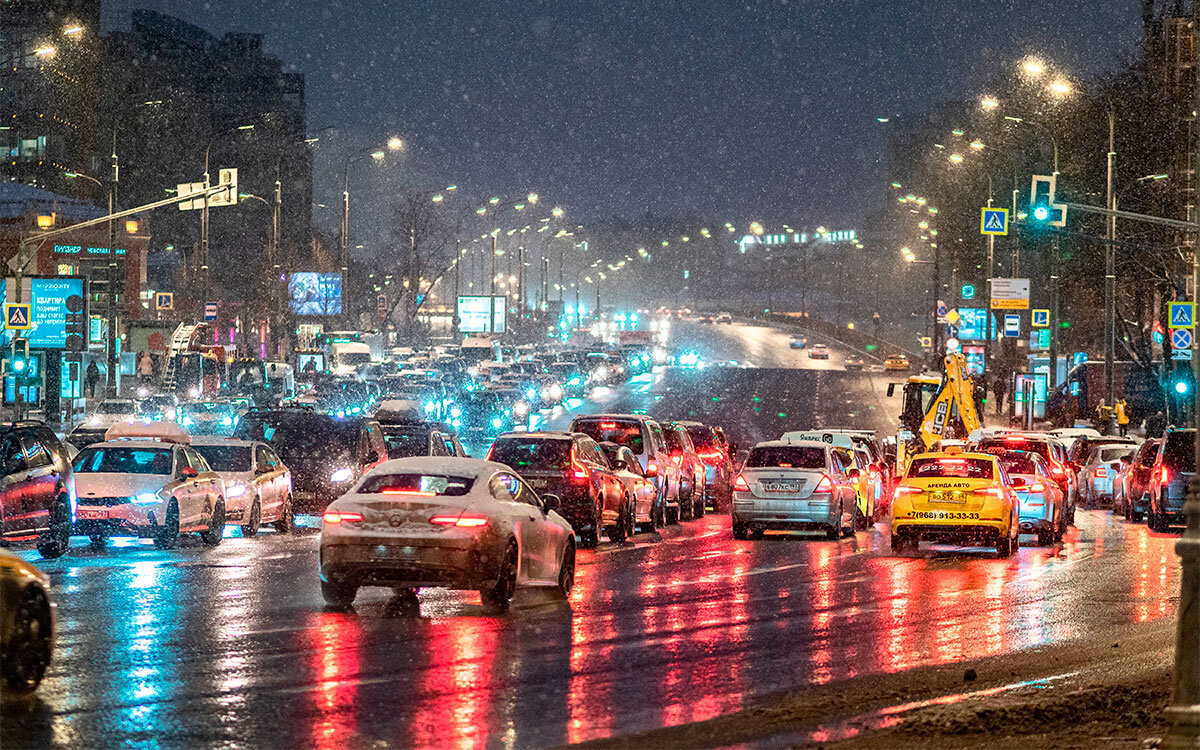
<point x="988" y="103"/>
<point x="956" y="158"/>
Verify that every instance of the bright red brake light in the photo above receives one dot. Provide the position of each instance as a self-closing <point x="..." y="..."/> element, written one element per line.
<point x="579" y="472"/>
<point x="333" y="516"/>
<point x="463" y="522"/>
<point x="1036" y="487"/>
<point x="651" y="468"/>
<point x="608" y="425"/>
<point x="990" y="491"/>
<point x="952" y="461"/>
<point x="710" y="456"/>
<point x="825" y="485"/>
<point x="1165" y="476"/>
<point x="903" y="490"/>
<point x="1101" y="472"/>
<point x="741" y="484"/>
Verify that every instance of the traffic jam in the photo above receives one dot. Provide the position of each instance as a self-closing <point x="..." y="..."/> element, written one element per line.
<point x="436" y="468"/>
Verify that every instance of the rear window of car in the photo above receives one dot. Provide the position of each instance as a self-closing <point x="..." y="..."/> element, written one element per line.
<point x="1018" y="464"/>
<point x="410" y="484"/>
<point x="1115" y="454"/>
<point x="702" y="437"/>
<point x="621" y="432"/>
<point x="1000" y="446"/>
<point x="674" y="441"/>
<point x="402" y="443"/>
<point x="111" y="460"/>
<point x="951" y="468"/>
<point x="1179" y="451"/>
<point x="225" y="457"/>
<point x="786" y="457"/>
<point x="532" y="453"/>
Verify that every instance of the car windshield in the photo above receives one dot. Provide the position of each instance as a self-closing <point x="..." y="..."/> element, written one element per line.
<point x="404" y="442"/>
<point x="226" y="457"/>
<point x="951" y="468"/>
<point x="533" y="453"/>
<point x="302" y="435"/>
<point x="416" y="484"/>
<point x="116" y="407"/>
<point x="1000" y="446"/>
<point x="109" y="459"/>
<point x="621" y="432"/>
<point x="209" y="407"/>
<point x="786" y="457"/>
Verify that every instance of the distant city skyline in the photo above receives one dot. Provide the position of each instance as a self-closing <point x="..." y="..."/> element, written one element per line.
<point x="764" y="111"/>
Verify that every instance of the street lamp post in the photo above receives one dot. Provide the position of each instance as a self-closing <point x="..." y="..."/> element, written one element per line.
<point x="393" y="144"/>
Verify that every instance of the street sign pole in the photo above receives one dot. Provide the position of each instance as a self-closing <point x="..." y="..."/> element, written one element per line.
<point x="1054" y="323"/>
<point x="991" y="267"/>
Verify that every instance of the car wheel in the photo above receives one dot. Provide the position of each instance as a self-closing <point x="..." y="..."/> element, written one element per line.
<point x="54" y="542"/>
<point x="287" y="517"/>
<point x="618" y="531"/>
<point x="1071" y="516"/>
<point x="250" y="528"/>
<point x="1158" y="521"/>
<point x="699" y="509"/>
<point x="95" y="541"/>
<point x="500" y="595"/>
<point x="687" y="508"/>
<point x="168" y="533"/>
<point x="29" y="646"/>
<point x="834" y="532"/>
<point x="1045" y="537"/>
<point x="1006" y="546"/>
<point x="338" y="594"/>
<point x="566" y="571"/>
<point x="861" y="522"/>
<point x="216" y="525"/>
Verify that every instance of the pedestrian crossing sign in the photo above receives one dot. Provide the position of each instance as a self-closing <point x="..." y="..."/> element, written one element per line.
<point x="993" y="221"/>
<point x="16" y="316"/>
<point x="1181" y="314"/>
<point x="164" y="301"/>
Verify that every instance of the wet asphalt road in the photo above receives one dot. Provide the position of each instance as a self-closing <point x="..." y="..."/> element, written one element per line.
<point x="197" y="647"/>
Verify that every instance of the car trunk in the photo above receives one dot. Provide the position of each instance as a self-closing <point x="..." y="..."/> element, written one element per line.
<point x="404" y="515"/>
<point x="771" y="483"/>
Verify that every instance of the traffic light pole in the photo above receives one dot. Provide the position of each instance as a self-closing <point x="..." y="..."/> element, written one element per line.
<point x="1054" y="325"/>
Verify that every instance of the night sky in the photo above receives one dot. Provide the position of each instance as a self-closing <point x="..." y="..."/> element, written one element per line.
<point x="739" y="111"/>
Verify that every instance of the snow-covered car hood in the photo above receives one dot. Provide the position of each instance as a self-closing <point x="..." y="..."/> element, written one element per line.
<point x="88" y="484"/>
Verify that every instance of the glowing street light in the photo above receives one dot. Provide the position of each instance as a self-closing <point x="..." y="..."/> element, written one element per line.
<point x="1060" y="87"/>
<point x="73" y="30"/>
<point x="977" y="145"/>
<point x="395" y="143"/>
<point x="989" y="102"/>
<point x="956" y="158"/>
<point x="44" y="51"/>
<point x="377" y="155"/>
<point x="1033" y="67"/>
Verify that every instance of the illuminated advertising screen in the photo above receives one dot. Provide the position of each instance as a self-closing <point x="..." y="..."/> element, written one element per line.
<point x="315" y="293"/>
<point x="49" y="310"/>
<point x="473" y="314"/>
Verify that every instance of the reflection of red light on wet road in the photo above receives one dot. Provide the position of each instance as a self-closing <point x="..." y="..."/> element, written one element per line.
<point x="457" y="685"/>
<point x="336" y="638"/>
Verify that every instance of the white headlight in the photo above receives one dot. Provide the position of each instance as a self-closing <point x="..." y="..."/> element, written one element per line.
<point x="194" y="392"/>
<point x="236" y="490"/>
<point x="146" y="498"/>
<point x="342" y="475"/>
<point x="521" y="408"/>
<point x="455" y="412"/>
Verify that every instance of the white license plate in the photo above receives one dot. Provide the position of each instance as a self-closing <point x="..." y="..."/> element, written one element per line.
<point x="84" y="514"/>
<point x="781" y="486"/>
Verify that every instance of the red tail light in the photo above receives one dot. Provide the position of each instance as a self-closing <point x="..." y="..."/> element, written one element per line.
<point x="1036" y="487"/>
<point x="825" y="485"/>
<point x="651" y="468"/>
<point x="579" y="472"/>
<point x="711" y="456"/>
<point x="903" y="490"/>
<point x="1101" y="472"/>
<point x="1165" y="476"/>
<point x="463" y="522"/>
<point x="333" y="516"/>
<point x="990" y="491"/>
<point x="741" y="484"/>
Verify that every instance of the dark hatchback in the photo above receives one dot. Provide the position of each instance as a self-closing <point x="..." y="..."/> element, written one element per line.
<point x="327" y="455"/>
<point x="37" y="491"/>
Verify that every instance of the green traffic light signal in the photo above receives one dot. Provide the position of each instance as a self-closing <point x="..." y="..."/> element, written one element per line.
<point x="1041" y="213"/>
<point x="1181" y="387"/>
<point x="18" y="365"/>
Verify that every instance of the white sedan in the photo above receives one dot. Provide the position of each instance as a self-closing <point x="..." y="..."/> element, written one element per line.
<point x="432" y="521"/>
<point x="258" y="487"/>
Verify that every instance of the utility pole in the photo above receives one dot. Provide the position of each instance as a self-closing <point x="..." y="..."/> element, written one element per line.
<point x="987" y="305"/>
<point x="457" y="273"/>
<point x="113" y="270"/>
<point x="1054" y="327"/>
<point x="933" y="295"/>
<point x="345" y="237"/>
<point x="1110" y="266"/>
<point x="546" y="285"/>
<point x="276" y="296"/>
<point x="521" y="280"/>
<point x="203" y="234"/>
<point x="491" y="326"/>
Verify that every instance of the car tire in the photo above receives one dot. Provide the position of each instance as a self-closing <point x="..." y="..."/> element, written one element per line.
<point x="168" y="534"/>
<point x="96" y="541"/>
<point x="29" y="644"/>
<point x="834" y="531"/>
<point x="1045" y="537"/>
<point x="619" y="531"/>
<point x="1006" y="547"/>
<point x="1158" y="521"/>
<point x="566" y="571"/>
<point x="500" y="595"/>
<point x="699" y="508"/>
<point x="287" y="518"/>
<point x="861" y="522"/>
<point x="250" y="528"/>
<point x="54" y="542"/>
<point x="216" y="525"/>
<point x="660" y="515"/>
<point x="1071" y="516"/>
<point x="338" y="594"/>
<point x="740" y="531"/>
<point x="686" y="505"/>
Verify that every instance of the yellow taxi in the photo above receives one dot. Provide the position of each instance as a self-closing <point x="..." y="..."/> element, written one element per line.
<point x="26" y="625"/>
<point x="955" y="497"/>
<point x="896" y="363"/>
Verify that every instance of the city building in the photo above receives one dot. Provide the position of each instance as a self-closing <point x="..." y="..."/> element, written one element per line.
<point x="49" y="91"/>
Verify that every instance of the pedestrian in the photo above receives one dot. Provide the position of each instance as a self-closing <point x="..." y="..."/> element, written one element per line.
<point x="1103" y="417"/>
<point x="1071" y="411"/>
<point x="1000" y="388"/>
<point x="90" y="378"/>
<point x="1121" y="410"/>
<point x="145" y="368"/>
<point x="1156" y="424"/>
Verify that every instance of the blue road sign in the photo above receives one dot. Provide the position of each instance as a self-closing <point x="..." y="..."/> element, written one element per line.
<point x="210" y="311"/>
<point x="1181" y="314"/>
<point x="17" y="317"/>
<point x="952" y="332"/>
<point x="942" y="309"/>
<point x="1012" y="326"/>
<point x="1040" y="319"/>
<point x="164" y="301"/>
<point x="993" y="221"/>
<point x="1181" y="338"/>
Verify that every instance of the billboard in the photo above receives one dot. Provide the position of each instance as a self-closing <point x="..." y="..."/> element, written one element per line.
<point x="972" y="324"/>
<point x="48" y="310"/>
<point x="473" y="314"/>
<point x="315" y="293"/>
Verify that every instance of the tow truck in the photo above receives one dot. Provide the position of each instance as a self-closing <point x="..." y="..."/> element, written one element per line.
<point x="935" y="408"/>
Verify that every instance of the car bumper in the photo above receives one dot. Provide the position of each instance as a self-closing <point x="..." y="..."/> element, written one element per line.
<point x="951" y="526"/>
<point x="779" y="514"/>
<point x="118" y="520"/>
<point x="1100" y="488"/>
<point x="394" y="562"/>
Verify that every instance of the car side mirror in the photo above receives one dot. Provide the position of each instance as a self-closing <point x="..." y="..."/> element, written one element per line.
<point x="189" y="472"/>
<point x="619" y="464"/>
<point x="264" y="469"/>
<point x="551" y="502"/>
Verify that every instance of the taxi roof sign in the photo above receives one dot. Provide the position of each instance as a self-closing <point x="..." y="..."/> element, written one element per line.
<point x="167" y="432"/>
<point x="836" y="439"/>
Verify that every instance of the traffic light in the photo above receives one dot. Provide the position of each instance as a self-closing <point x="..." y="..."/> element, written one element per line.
<point x="1043" y="211"/>
<point x="1182" y="387"/>
<point x="77" y="322"/>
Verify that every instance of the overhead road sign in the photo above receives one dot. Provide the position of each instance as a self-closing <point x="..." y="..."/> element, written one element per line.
<point x="210" y="311"/>
<point x="1040" y="319"/>
<point x="17" y="316"/>
<point x="1181" y="338"/>
<point x="1181" y="314"/>
<point x="1010" y="294"/>
<point x="993" y="221"/>
<point x="967" y="291"/>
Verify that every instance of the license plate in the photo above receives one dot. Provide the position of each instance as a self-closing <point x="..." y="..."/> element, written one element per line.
<point x="91" y="515"/>
<point x="781" y="486"/>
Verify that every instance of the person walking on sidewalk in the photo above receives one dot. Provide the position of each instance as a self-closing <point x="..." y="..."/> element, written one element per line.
<point x="1121" y="410"/>
<point x="1103" y="417"/>
<point x="90" y="378"/>
<point x="1000" y="388"/>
